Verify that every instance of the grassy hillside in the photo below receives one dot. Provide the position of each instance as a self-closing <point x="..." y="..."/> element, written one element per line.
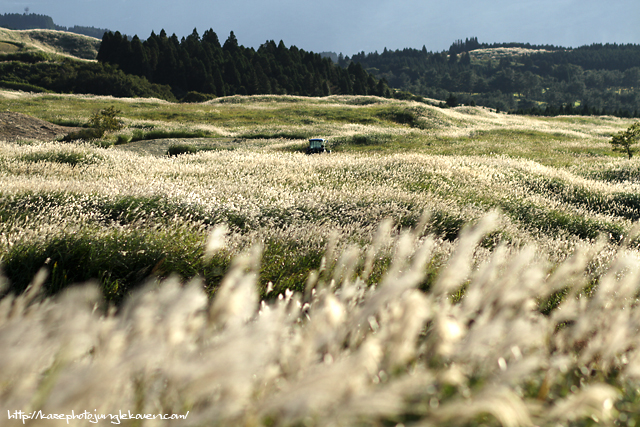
<point x="439" y="267"/>
<point x="47" y="61"/>
<point x="49" y="42"/>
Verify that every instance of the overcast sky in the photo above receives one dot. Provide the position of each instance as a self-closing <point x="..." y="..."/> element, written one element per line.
<point x="351" y="26"/>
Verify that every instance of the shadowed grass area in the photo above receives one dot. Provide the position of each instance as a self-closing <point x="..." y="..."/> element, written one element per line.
<point x="119" y="260"/>
<point x="141" y="135"/>
<point x="72" y="158"/>
<point x="185" y="148"/>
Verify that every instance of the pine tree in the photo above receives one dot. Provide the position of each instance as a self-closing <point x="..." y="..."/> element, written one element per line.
<point x="211" y="38"/>
<point x="625" y="140"/>
<point x="231" y="45"/>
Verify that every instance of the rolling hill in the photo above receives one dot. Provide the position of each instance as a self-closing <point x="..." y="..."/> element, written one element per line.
<point x="51" y="42"/>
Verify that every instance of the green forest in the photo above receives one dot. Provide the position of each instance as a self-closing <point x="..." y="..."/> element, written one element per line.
<point x="203" y="65"/>
<point x="549" y="80"/>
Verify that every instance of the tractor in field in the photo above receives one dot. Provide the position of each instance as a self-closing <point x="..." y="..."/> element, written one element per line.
<point x="317" y="145"/>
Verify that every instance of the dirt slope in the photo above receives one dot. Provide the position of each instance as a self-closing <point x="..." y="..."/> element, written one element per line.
<point x="17" y="126"/>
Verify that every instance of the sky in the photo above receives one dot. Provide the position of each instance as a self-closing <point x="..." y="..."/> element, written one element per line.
<point x="352" y="26"/>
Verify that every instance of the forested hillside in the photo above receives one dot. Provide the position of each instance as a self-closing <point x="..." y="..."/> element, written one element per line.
<point x="517" y="77"/>
<point x="202" y="64"/>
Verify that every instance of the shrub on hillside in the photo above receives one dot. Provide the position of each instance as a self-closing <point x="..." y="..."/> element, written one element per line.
<point x="103" y="121"/>
<point x="625" y="141"/>
<point x="196" y="97"/>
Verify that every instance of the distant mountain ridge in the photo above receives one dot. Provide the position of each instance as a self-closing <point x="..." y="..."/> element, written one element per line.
<point x="517" y="77"/>
<point x="32" y="21"/>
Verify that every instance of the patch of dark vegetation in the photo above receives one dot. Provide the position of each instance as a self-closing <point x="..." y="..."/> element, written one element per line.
<point x="366" y="139"/>
<point x="72" y="76"/>
<point x="179" y="149"/>
<point x="278" y="135"/>
<point x="72" y="158"/>
<point x="25" y="87"/>
<point x="196" y="97"/>
<point x="405" y="116"/>
<point x="26" y="57"/>
<point x="87" y="134"/>
<point x="119" y="260"/>
<point x="146" y="135"/>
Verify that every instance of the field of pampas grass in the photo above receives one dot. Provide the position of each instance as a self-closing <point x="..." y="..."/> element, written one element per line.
<point x="340" y="353"/>
<point x="442" y="267"/>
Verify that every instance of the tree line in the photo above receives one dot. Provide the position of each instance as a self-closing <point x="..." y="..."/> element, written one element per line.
<point x="204" y="65"/>
<point x="546" y="80"/>
<point x="31" y="21"/>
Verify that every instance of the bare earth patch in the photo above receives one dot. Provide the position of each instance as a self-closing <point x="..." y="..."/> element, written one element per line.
<point x="20" y="127"/>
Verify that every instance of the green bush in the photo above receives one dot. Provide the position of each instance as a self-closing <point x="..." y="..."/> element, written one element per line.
<point x="106" y="119"/>
<point x="625" y="140"/>
<point x="176" y="150"/>
<point x="123" y="139"/>
<point x="91" y="254"/>
<point x="103" y="121"/>
<point x="405" y="116"/>
<point x="195" y="97"/>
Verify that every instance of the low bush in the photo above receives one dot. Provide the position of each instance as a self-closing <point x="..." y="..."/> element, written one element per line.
<point x="123" y="139"/>
<point x="26" y="57"/>
<point x="196" y="97"/>
<point x="101" y="122"/>
<point x="176" y="150"/>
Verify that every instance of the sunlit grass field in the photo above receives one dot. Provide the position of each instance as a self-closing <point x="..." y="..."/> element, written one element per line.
<point x="529" y="318"/>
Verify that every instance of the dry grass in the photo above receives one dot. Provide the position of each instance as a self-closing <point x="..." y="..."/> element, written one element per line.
<point x="264" y="287"/>
<point x="342" y="353"/>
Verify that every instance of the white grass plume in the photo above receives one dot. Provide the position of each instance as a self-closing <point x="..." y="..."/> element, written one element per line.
<point x="369" y="356"/>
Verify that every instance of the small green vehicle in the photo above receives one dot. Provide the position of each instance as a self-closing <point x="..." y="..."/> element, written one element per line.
<point x="317" y="145"/>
